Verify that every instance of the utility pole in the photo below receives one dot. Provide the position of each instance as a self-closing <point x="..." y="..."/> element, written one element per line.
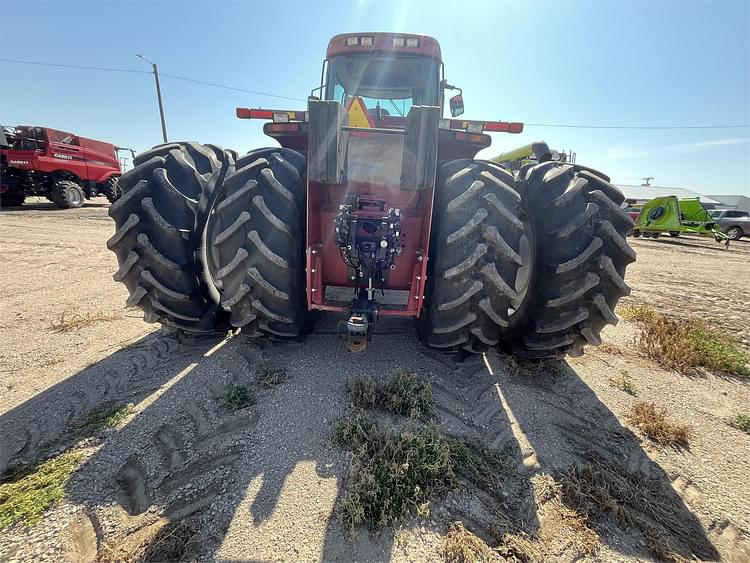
<point x="158" y="95"/>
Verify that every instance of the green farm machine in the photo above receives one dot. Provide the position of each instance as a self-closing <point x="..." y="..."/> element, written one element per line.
<point x="675" y="216"/>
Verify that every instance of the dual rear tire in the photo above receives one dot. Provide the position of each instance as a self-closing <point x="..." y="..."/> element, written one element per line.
<point x="534" y="264"/>
<point x="206" y="241"/>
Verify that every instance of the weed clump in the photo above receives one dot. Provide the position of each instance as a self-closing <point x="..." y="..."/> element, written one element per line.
<point x="638" y="313"/>
<point x="396" y="472"/>
<point x="601" y="489"/>
<point x="268" y="376"/>
<point x="407" y="395"/>
<point x="237" y="397"/>
<point x="685" y="345"/>
<point x="741" y="422"/>
<point x="624" y="383"/>
<point x="404" y="394"/>
<point x="652" y="421"/>
<point x="363" y="392"/>
<point x="461" y="546"/>
<point x="392" y="473"/>
<point x="28" y="491"/>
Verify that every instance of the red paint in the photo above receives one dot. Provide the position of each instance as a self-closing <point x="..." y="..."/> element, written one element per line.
<point x="327" y="269"/>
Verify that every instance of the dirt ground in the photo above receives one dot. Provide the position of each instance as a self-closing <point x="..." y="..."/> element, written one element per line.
<point x="262" y="483"/>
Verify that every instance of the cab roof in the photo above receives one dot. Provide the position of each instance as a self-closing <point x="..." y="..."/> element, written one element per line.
<point x="370" y="42"/>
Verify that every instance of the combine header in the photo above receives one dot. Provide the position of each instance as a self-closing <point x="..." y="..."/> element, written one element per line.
<point x="375" y="205"/>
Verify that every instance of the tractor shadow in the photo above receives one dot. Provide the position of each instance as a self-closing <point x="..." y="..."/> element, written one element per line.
<point x="263" y="481"/>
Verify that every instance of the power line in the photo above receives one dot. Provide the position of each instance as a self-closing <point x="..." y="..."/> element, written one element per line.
<point x="174" y="77"/>
<point x="108" y="69"/>
<point x="279" y="96"/>
<point x="232" y="88"/>
<point x="638" y="126"/>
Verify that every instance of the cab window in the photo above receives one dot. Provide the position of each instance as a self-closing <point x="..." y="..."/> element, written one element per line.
<point x="62" y="137"/>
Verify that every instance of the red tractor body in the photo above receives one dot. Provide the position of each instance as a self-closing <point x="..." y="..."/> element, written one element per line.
<point x="34" y="159"/>
<point x="389" y="135"/>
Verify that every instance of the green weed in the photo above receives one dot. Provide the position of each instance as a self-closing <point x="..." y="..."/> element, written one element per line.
<point x="741" y="422"/>
<point x="237" y="397"/>
<point x="28" y="491"/>
<point x="396" y="472"/>
<point x="624" y="383"/>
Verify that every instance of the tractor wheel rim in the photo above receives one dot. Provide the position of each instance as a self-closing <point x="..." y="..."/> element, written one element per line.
<point x="75" y="196"/>
<point x="523" y="275"/>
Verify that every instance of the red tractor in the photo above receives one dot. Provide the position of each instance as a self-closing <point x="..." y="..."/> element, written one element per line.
<point x="61" y="166"/>
<point x="374" y="205"/>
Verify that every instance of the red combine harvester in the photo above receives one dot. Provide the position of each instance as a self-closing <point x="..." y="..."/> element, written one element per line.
<point x="61" y="166"/>
<point x="373" y="191"/>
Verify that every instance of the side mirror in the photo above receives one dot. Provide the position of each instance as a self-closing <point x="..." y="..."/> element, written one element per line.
<point x="457" y="105"/>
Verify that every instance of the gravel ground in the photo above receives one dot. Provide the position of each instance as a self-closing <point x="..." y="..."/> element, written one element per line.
<point x="261" y="483"/>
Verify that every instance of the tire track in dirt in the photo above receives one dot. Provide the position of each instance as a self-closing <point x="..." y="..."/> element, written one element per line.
<point x="118" y="379"/>
<point x="177" y="459"/>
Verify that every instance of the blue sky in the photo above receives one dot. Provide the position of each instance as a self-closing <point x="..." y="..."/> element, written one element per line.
<point x="600" y="63"/>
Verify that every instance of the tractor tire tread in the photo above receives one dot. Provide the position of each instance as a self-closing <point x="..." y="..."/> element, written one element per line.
<point x="256" y="243"/>
<point x="474" y="256"/>
<point x="158" y="234"/>
<point x="580" y="232"/>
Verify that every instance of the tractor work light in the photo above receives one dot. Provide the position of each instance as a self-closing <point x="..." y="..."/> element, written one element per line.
<point x="475" y="127"/>
<point x="398" y="41"/>
<point x="280" y="117"/>
<point x="352" y="41"/>
<point x="412" y="42"/>
<point x="444" y="124"/>
<point x="365" y="41"/>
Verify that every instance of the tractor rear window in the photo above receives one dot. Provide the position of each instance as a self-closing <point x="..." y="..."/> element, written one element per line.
<point x="391" y="83"/>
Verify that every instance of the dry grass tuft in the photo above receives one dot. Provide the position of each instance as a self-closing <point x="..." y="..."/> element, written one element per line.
<point x="268" y="376"/>
<point x="171" y="543"/>
<point x="685" y="345"/>
<point x="652" y="421"/>
<point x="600" y="489"/>
<point x="563" y="533"/>
<point x="741" y="422"/>
<point x="404" y="394"/>
<point x="77" y="321"/>
<point x="609" y="348"/>
<point x="162" y="540"/>
<point x="363" y="392"/>
<point x="461" y="546"/>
